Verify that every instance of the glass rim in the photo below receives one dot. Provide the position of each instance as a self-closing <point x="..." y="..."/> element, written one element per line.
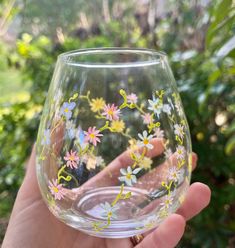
<point x="153" y="57"/>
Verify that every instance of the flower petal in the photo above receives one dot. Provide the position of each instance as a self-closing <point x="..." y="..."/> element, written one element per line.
<point x="123" y="171"/>
<point x="133" y="179"/>
<point x="128" y="182"/>
<point x="135" y="171"/>
<point x="71" y="105"/>
<point x="129" y="170"/>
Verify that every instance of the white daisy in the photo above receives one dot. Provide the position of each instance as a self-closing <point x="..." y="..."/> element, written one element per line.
<point x="155" y="105"/>
<point x="129" y="176"/>
<point x="109" y="211"/>
<point x="145" y="140"/>
<point x="174" y="174"/>
<point x="180" y="152"/>
<point x="166" y="109"/>
<point x="179" y="130"/>
<point x="158" y="133"/>
<point x="167" y="202"/>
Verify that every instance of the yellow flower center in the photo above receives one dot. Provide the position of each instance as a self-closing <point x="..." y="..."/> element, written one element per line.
<point x="167" y="202"/>
<point x="66" y="110"/>
<point x="109" y="214"/>
<point x="180" y="151"/>
<point x="156" y="106"/>
<point x="55" y="189"/>
<point x="110" y="112"/>
<point x="146" y="141"/>
<point x="71" y="157"/>
<point x="92" y="135"/>
<point x="128" y="176"/>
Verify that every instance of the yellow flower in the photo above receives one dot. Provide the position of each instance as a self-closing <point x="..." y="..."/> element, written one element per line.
<point x="118" y="126"/>
<point x="97" y="104"/>
<point x="146" y="163"/>
<point x="133" y="145"/>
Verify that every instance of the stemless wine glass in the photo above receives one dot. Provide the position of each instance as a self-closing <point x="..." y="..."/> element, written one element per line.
<point x="113" y="147"/>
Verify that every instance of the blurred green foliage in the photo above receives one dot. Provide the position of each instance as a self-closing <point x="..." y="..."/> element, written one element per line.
<point x="200" y="43"/>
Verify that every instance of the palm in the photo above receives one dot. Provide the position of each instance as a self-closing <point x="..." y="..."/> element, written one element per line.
<point x="32" y="225"/>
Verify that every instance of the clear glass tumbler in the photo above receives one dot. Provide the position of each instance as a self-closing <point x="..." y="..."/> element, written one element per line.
<point x="113" y="146"/>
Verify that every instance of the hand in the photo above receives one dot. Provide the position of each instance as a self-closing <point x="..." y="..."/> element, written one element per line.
<point x="32" y="225"/>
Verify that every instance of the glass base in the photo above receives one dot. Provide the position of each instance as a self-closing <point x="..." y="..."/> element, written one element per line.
<point x="137" y="214"/>
<point x="90" y="205"/>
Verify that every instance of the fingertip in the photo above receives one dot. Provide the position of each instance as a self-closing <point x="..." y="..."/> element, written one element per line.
<point x="204" y="190"/>
<point x="197" y="198"/>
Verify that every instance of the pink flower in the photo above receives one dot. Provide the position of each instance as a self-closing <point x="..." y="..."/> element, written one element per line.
<point x="111" y="112"/>
<point x="56" y="189"/>
<point x="92" y="135"/>
<point x="159" y="133"/>
<point x="72" y="159"/>
<point x="147" y="118"/>
<point x="132" y="98"/>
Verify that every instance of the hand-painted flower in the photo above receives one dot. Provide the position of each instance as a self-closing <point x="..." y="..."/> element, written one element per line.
<point x="143" y="162"/>
<point x="118" y="126"/>
<point x="92" y="135"/>
<point x="179" y="107"/>
<point x="109" y="211"/>
<point x="72" y="159"/>
<point x="173" y="174"/>
<point x="147" y="118"/>
<point x="70" y="129"/>
<point x="145" y="140"/>
<point x="180" y="152"/>
<point x="66" y="109"/>
<point x="146" y="163"/>
<point x="179" y="130"/>
<point x="46" y="138"/>
<point x="129" y="176"/>
<point x="111" y="112"/>
<point x="168" y="201"/>
<point x="97" y="104"/>
<point x="158" y="133"/>
<point x="132" y="98"/>
<point x="155" y="105"/>
<point x="56" y="189"/>
<point x="168" y="153"/>
<point x="99" y="161"/>
<point x="91" y="162"/>
<point x="166" y="109"/>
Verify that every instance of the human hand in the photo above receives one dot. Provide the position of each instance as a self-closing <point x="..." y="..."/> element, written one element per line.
<point x="32" y="225"/>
